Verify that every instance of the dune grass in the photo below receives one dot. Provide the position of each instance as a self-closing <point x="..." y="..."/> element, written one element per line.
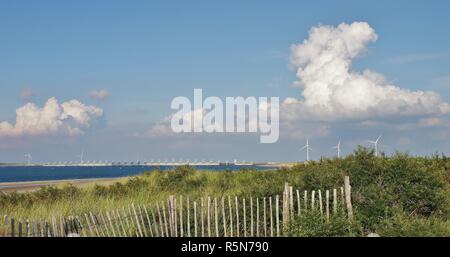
<point x="398" y="195"/>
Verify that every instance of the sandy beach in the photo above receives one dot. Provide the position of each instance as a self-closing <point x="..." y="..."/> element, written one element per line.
<point x="35" y="185"/>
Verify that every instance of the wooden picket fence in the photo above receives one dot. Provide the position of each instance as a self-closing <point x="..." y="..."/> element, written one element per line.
<point x="182" y="217"/>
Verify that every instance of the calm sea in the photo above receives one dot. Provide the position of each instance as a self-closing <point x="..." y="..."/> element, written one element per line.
<point x="41" y="173"/>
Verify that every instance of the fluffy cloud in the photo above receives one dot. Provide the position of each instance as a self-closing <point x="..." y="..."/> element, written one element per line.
<point x="333" y="91"/>
<point x="69" y="117"/>
<point x="101" y="94"/>
<point x="160" y="129"/>
<point x="163" y="127"/>
<point x="194" y="119"/>
<point x="335" y="95"/>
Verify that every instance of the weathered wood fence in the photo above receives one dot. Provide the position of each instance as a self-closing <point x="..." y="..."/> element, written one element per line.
<point x="183" y="217"/>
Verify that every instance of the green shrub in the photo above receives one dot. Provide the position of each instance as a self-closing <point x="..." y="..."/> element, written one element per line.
<point x="415" y="185"/>
<point x="401" y="224"/>
<point x="314" y="224"/>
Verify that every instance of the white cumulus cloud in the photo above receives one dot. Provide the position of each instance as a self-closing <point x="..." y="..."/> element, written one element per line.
<point x="333" y="91"/>
<point x="69" y="117"/>
<point x="335" y="95"/>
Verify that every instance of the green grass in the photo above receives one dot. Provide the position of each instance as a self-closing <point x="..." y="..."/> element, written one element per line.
<point x="398" y="195"/>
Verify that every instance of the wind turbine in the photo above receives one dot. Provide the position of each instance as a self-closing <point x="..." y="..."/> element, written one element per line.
<point x="29" y="158"/>
<point x="307" y="149"/>
<point x="81" y="156"/>
<point x="375" y="143"/>
<point x="338" y="147"/>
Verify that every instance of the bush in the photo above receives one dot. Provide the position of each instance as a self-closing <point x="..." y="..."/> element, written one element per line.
<point x="401" y="224"/>
<point x="314" y="224"/>
<point x="379" y="184"/>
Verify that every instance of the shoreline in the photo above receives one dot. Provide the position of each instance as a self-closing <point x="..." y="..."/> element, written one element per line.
<point x="27" y="186"/>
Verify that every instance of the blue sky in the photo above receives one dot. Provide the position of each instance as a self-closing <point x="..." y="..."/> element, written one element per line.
<point x="145" y="53"/>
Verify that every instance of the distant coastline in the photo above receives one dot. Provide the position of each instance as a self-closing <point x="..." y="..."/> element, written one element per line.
<point x="148" y="164"/>
<point x="57" y="172"/>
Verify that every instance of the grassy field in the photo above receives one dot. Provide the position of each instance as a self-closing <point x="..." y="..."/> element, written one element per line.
<point x="397" y="195"/>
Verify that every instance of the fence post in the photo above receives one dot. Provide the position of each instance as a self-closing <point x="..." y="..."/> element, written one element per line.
<point x="285" y="206"/>
<point x="265" y="217"/>
<point x="155" y="223"/>
<point x="175" y="217"/>
<point x="148" y="220"/>
<point x="35" y="229"/>
<point x="277" y="216"/>
<point x="245" y="218"/>
<point x="96" y="223"/>
<point x="348" y="198"/>
<point x="81" y="226"/>
<point x="131" y="215"/>
<point x="298" y="203"/>
<point x="110" y="223"/>
<point x="202" y="210"/>
<point x="181" y="217"/>
<point x="208" y="218"/>
<point x="68" y="226"/>
<point x="188" y="218"/>
<point x="251" y="217"/>
<point x="230" y="211"/>
<point x="305" y="200"/>
<point x="141" y="214"/>
<point x="170" y="222"/>
<point x="216" y="217"/>
<point x="237" y="216"/>
<point x="106" y="225"/>
<point x="55" y="227"/>
<point x="121" y="222"/>
<point x="87" y="222"/>
<point x="5" y="233"/>
<point x="291" y="202"/>
<point x="313" y="199"/>
<point x="165" y="220"/>
<point x="320" y="202"/>
<point x="137" y="221"/>
<point x="161" y="222"/>
<point x="257" y="216"/>
<point x="334" y="201"/>
<point x="28" y="228"/>
<point x="195" y="219"/>
<point x="327" y="204"/>
<point x="20" y="228"/>
<point x="224" y="218"/>
<point x="271" y="216"/>
<point x="42" y="228"/>
<point x="126" y="219"/>
<point x="47" y="229"/>
<point x="13" y="228"/>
